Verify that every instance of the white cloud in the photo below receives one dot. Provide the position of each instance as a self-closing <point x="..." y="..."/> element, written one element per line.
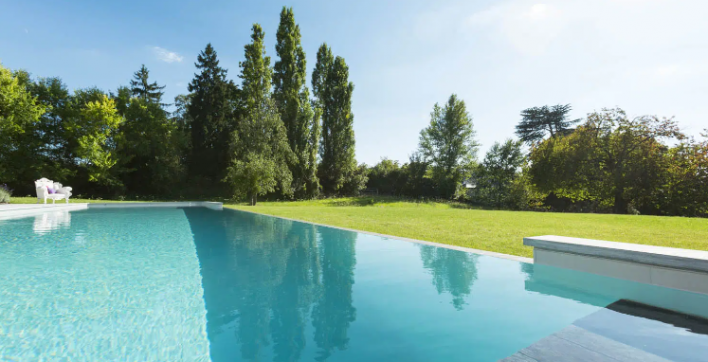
<point x="666" y="71"/>
<point x="529" y="27"/>
<point x="532" y="27"/>
<point x="166" y="55"/>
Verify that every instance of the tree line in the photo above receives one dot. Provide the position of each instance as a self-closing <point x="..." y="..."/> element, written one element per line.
<point x="265" y="135"/>
<point x="270" y="135"/>
<point x="606" y="162"/>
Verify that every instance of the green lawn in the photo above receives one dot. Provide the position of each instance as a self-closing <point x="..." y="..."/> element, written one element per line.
<point x="499" y="231"/>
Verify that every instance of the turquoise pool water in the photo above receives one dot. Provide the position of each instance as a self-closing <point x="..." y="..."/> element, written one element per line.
<point x="196" y="284"/>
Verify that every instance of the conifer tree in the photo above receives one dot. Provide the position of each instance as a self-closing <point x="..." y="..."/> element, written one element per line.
<point x="140" y="86"/>
<point x="212" y="117"/>
<point x="538" y="122"/>
<point x="261" y="151"/>
<point x="292" y="99"/>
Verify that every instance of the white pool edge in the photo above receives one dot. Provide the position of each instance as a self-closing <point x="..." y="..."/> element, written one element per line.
<point x="16" y="211"/>
<point x="681" y="269"/>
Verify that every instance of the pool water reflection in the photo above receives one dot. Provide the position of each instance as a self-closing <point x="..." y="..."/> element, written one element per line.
<point x="286" y="291"/>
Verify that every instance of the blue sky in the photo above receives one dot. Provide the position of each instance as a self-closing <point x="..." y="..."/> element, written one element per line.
<point x="646" y="56"/>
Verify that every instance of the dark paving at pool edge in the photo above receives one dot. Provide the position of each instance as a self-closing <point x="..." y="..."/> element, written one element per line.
<point x="624" y="331"/>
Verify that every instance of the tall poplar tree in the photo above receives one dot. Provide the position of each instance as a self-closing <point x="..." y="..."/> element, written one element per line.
<point x="212" y="117"/>
<point x="338" y="171"/>
<point x="261" y="151"/>
<point x="292" y="99"/>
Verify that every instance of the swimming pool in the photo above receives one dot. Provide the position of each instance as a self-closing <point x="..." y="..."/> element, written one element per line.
<point x="195" y="284"/>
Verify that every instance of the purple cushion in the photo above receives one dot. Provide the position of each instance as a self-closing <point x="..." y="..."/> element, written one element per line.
<point x="50" y="190"/>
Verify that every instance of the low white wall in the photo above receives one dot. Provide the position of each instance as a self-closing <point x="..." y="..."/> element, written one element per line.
<point x="642" y="273"/>
<point x="593" y="288"/>
<point x="666" y="267"/>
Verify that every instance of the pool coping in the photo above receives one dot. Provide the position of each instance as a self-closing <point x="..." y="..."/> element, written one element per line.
<point x="660" y="256"/>
<point x="15" y="211"/>
<point x="682" y="269"/>
<point x="516" y="258"/>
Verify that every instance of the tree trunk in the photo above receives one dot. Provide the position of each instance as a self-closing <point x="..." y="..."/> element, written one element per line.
<point x="620" y="206"/>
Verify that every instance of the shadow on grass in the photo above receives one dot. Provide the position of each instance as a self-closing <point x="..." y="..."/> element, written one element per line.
<point x="362" y="201"/>
<point x="390" y="200"/>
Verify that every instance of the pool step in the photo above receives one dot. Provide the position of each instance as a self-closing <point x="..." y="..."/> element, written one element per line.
<point x="624" y="331"/>
<point x="577" y="344"/>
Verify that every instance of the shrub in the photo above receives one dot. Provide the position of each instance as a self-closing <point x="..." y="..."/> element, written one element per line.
<point x="5" y="193"/>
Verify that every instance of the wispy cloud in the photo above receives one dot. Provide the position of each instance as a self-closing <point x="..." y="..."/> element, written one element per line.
<point x="166" y="55"/>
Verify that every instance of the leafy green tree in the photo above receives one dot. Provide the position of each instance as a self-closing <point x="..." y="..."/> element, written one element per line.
<point x="355" y="180"/>
<point x="684" y="180"/>
<point x="149" y="146"/>
<point x="418" y="183"/>
<point x="448" y="144"/>
<point x="262" y="153"/>
<point x="387" y="177"/>
<point x="19" y="110"/>
<point x="211" y="111"/>
<point x="53" y="93"/>
<point x="494" y="179"/>
<point x="180" y="115"/>
<point x="292" y="99"/>
<point x="338" y="170"/>
<point x="93" y="131"/>
<point x="51" y="154"/>
<point x="141" y="87"/>
<point x="180" y="118"/>
<point x="611" y="160"/>
<point x="538" y="122"/>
